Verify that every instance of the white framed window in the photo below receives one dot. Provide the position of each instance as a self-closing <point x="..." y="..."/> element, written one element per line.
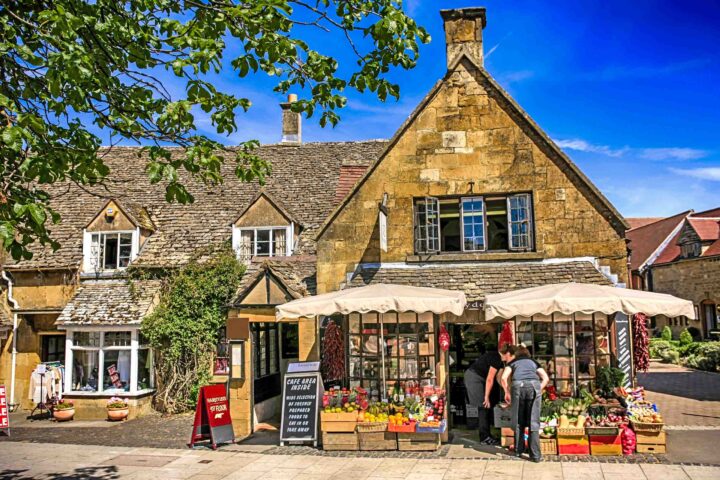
<point x="473" y="223"/>
<point x="519" y="221"/>
<point x="427" y="225"/>
<point x="112" y="362"/>
<point x="493" y="223"/>
<point x="263" y="241"/>
<point x="109" y="251"/>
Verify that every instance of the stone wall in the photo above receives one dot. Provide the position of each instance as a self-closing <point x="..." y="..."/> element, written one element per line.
<point x="696" y="279"/>
<point x="467" y="132"/>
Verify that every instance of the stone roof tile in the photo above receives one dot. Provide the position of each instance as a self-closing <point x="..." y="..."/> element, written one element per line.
<point x="483" y="279"/>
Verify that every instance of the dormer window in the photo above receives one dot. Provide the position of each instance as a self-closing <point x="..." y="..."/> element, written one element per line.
<point x="112" y="239"/>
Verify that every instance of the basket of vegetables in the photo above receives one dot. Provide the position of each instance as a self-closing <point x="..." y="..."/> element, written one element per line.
<point x="646" y="420"/>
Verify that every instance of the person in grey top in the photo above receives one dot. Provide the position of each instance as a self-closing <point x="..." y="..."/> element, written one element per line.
<point x="525" y="399"/>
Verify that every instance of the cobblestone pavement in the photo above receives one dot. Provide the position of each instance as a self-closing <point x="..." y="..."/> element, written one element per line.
<point x="22" y="460"/>
<point x="687" y="398"/>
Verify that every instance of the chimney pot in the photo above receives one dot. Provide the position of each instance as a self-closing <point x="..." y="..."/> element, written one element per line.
<point x="291" y="122"/>
<point x="463" y="33"/>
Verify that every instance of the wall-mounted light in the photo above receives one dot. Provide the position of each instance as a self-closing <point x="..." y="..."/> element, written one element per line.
<point x="472" y="186"/>
<point x="237" y="359"/>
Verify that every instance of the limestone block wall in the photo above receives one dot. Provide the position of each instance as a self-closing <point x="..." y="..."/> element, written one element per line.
<point x="695" y="279"/>
<point x="467" y="133"/>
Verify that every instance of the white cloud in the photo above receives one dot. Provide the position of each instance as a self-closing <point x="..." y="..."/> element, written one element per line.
<point x="581" y="145"/>
<point x="672" y="153"/>
<point x="492" y="49"/>
<point x="704" y="173"/>
<point x="655" y="154"/>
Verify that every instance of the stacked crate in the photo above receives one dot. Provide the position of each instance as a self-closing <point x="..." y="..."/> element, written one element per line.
<point x="339" y="431"/>
<point x="650" y="441"/>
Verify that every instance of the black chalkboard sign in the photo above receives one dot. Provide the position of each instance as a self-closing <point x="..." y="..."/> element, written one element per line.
<point x="301" y="397"/>
<point x="622" y="341"/>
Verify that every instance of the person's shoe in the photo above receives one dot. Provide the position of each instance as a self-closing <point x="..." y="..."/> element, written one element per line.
<point x="486" y="440"/>
<point x="492" y="441"/>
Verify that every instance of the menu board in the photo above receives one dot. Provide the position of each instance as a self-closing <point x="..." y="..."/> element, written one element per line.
<point x="4" y="417"/>
<point x="300" y="407"/>
<point x="622" y="340"/>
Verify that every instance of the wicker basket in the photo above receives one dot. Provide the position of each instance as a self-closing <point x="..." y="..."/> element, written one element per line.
<point x="647" y="427"/>
<point x="548" y="446"/>
<point x="367" y="427"/>
<point x="570" y="431"/>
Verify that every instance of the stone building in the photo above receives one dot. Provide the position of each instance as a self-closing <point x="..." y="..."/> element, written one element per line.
<point x="680" y="255"/>
<point x="468" y="194"/>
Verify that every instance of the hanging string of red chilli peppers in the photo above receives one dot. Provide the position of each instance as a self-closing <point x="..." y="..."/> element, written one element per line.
<point x="641" y="343"/>
<point x="332" y="362"/>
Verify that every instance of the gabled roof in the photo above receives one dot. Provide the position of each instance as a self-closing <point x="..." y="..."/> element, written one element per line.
<point x="712" y="213"/>
<point x="707" y="228"/>
<point x="596" y="198"/>
<point x="110" y="302"/>
<point x="649" y="240"/>
<point x="304" y="179"/>
<point x="479" y="280"/>
<point x="137" y="214"/>
<point x="637" y="222"/>
<point x="297" y="275"/>
<point x="273" y="201"/>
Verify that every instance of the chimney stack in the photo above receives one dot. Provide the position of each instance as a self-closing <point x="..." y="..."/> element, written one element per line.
<point x="463" y="33"/>
<point x="291" y="122"/>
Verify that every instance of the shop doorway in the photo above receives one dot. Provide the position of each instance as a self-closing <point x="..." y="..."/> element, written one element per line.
<point x="465" y="341"/>
<point x="52" y="348"/>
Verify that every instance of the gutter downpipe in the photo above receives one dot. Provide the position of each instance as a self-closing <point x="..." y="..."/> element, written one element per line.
<point x="13" y="360"/>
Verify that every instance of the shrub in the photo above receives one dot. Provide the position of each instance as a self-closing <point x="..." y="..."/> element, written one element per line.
<point x="707" y="357"/>
<point x="670" y="356"/>
<point x="685" y="338"/>
<point x="689" y="349"/>
<point x="658" y="346"/>
<point x="666" y="333"/>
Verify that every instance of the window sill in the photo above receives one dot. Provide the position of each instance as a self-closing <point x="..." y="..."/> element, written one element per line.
<point x="120" y="273"/>
<point x="473" y="257"/>
<point x="139" y="393"/>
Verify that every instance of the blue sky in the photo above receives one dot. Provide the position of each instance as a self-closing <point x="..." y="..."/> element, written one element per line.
<point x="630" y="90"/>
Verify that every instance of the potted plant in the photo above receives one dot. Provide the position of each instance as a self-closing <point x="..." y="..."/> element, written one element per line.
<point x="64" y="410"/>
<point x="118" y="409"/>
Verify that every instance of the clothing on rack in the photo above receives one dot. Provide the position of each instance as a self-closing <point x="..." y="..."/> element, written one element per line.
<point x="48" y="384"/>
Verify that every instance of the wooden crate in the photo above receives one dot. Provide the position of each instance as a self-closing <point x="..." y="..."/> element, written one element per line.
<point x="655" y="438"/>
<point x="651" y="448"/>
<point x="507" y="441"/>
<point x="338" y="422"/>
<point x="573" y="445"/>
<point x="605" y="445"/>
<point x="418" y="441"/>
<point x="548" y="446"/>
<point x="340" y="441"/>
<point x="374" y="441"/>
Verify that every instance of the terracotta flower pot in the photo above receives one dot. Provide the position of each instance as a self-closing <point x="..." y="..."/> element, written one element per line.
<point x="117" y="414"/>
<point x="64" y="415"/>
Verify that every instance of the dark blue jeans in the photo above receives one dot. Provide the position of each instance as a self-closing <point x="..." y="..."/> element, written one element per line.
<point x="526" y="403"/>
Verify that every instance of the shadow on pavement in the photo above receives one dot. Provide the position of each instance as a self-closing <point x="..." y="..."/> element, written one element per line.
<point x="99" y="473"/>
<point x="696" y="385"/>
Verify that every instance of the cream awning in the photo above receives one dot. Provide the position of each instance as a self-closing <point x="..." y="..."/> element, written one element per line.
<point x="379" y="297"/>
<point x="569" y="298"/>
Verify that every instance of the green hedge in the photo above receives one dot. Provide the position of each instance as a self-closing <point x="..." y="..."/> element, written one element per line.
<point x="706" y="357"/>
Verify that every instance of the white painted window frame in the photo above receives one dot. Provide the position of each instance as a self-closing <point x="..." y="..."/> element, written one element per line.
<point x="289" y="238"/>
<point x="462" y="223"/>
<point x="88" y="266"/>
<point x="134" y="348"/>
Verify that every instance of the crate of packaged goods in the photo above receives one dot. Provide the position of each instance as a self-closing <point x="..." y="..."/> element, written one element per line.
<point x="605" y="445"/>
<point x="418" y="442"/>
<point x="338" y="422"/>
<point x="377" y="441"/>
<point x="340" y="441"/>
<point x="573" y="444"/>
<point x="503" y="416"/>
<point x="433" y="426"/>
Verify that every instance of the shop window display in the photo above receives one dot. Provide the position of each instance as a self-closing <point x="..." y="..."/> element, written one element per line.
<point x="407" y="342"/>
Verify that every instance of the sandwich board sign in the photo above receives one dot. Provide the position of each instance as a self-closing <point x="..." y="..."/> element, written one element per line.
<point x="302" y="392"/>
<point x="4" y="413"/>
<point x="212" y="417"/>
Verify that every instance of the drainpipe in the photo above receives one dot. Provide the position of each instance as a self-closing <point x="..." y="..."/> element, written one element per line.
<point x="15" y="306"/>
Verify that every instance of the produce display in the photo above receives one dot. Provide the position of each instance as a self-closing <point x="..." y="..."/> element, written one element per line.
<point x="644" y="414"/>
